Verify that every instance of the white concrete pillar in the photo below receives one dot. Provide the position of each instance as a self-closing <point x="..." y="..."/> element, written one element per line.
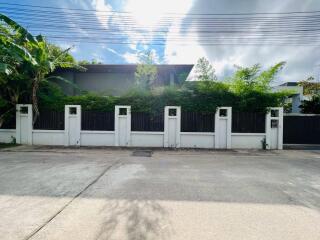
<point x="122" y="126"/>
<point x="72" y="125"/>
<point x="172" y="122"/>
<point x="222" y="128"/>
<point x="24" y="124"/>
<point x="274" y="128"/>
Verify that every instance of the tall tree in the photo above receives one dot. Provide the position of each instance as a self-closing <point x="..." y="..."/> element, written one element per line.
<point x="310" y="86"/>
<point x="146" y="72"/>
<point x="204" y="70"/>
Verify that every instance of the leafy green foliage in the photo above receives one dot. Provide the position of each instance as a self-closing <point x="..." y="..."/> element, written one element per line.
<point x="312" y="106"/>
<point x="146" y="72"/>
<point x="310" y="87"/>
<point x="204" y="70"/>
<point x="202" y="96"/>
<point x="25" y="62"/>
<point x="248" y="79"/>
<point x="86" y="62"/>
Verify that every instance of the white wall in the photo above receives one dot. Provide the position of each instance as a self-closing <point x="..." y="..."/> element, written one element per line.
<point x="7" y="135"/>
<point x="147" y="139"/>
<point x="48" y="137"/>
<point x="196" y="140"/>
<point x="171" y="137"/>
<point x="247" y="140"/>
<point x="97" y="138"/>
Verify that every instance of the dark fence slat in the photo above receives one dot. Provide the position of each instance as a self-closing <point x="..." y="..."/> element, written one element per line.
<point x="197" y="122"/>
<point x="50" y="120"/>
<point x="248" y="122"/>
<point x="9" y="122"/>
<point x="301" y="129"/>
<point x="141" y="121"/>
<point x="97" y="121"/>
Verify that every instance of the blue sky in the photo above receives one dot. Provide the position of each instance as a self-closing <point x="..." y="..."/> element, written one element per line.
<point x="302" y="61"/>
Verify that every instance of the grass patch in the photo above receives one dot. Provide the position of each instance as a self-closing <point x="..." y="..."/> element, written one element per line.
<point x="7" y="145"/>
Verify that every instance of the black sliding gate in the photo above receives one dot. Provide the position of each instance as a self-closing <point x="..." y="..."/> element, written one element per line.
<point x="301" y="129"/>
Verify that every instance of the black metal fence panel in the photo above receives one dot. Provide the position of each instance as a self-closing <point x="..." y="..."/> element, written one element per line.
<point x="97" y="121"/>
<point x="141" y="121"/>
<point x="197" y="122"/>
<point x="9" y="122"/>
<point x="50" y="120"/>
<point x="248" y="122"/>
<point x="301" y="129"/>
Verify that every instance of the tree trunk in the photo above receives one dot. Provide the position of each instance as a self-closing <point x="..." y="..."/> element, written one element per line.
<point x="35" y="86"/>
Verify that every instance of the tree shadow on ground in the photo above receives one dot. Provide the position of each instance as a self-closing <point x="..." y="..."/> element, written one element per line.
<point x="134" y="220"/>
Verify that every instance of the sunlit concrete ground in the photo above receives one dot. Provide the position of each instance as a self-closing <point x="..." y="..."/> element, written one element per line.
<point x="110" y="194"/>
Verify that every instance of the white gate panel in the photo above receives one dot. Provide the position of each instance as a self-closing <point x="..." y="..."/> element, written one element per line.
<point x="223" y="133"/>
<point x="274" y="128"/>
<point x="122" y="126"/>
<point x="172" y="126"/>
<point x="24" y="124"/>
<point x="72" y="125"/>
<point x="223" y="127"/>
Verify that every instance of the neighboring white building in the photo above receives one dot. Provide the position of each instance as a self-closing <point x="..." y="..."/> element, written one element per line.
<point x="296" y="98"/>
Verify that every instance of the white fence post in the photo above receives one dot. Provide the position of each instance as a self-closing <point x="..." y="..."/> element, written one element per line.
<point x="274" y="128"/>
<point x="222" y="128"/>
<point x="72" y="125"/>
<point x="24" y="124"/>
<point x="172" y="122"/>
<point x="122" y="126"/>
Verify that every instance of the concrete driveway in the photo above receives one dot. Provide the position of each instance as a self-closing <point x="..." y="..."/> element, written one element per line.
<point x="110" y="194"/>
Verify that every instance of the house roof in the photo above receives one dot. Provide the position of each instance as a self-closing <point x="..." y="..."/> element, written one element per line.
<point x="128" y="68"/>
<point x="289" y="84"/>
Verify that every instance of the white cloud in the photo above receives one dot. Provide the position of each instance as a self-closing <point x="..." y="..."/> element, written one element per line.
<point x="130" y="57"/>
<point x="300" y="60"/>
<point x="102" y="12"/>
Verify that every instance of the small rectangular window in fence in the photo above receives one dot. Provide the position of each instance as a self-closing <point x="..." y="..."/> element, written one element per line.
<point x="141" y="121"/>
<point x="197" y="122"/>
<point x="248" y="122"/>
<point x="97" y="121"/>
<point x="50" y="120"/>
<point x="9" y="121"/>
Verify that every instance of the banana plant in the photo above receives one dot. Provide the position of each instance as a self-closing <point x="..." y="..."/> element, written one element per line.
<point x="29" y="56"/>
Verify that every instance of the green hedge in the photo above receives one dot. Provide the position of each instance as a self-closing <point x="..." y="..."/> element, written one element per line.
<point x="202" y="97"/>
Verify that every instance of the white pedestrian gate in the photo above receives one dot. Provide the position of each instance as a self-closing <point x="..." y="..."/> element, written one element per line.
<point x="24" y="123"/>
<point x="72" y="125"/>
<point x="122" y="125"/>
<point x="223" y="128"/>
<point x="172" y="126"/>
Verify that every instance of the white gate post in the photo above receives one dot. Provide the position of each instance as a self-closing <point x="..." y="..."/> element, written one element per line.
<point x="274" y="128"/>
<point x="72" y="125"/>
<point x="24" y="124"/>
<point x="172" y="122"/>
<point x="222" y="128"/>
<point x="122" y="126"/>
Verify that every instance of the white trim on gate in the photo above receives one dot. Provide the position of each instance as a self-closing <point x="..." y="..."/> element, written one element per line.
<point x="166" y="125"/>
<point x="29" y="125"/>
<point x="217" y="127"/>
<point x="67" y="117"/>
<point x="279" y="119"/>
<point x="116" y="124"/>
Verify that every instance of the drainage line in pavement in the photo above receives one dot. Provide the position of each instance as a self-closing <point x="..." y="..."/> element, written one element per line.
<point x="76" y="196"/>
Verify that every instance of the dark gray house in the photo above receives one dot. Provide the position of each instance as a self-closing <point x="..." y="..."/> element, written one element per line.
<point x="117" y="79"/>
